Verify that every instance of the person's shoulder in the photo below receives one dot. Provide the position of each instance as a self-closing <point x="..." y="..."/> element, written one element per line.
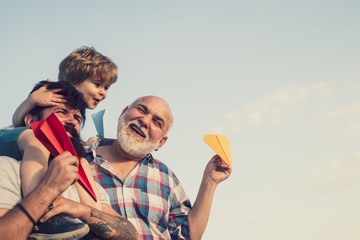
<point x="106" y="142"/>
<point x="91" y="150"/>
<point x="161" y="166"/>
<point x="13" y="130"/>
<point x="14" y="133"/>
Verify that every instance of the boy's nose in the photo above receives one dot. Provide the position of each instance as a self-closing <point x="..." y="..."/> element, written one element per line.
<point x="103" y="92"/>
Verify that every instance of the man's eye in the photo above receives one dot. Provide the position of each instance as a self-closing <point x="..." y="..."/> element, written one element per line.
<point x="158" y="123"/>
<point x="141" y="110"/>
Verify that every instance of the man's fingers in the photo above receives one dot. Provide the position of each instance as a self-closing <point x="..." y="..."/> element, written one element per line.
<point x="53" y="212"/>
<point x="67" y="158"/>
<point x="55" y="209"/>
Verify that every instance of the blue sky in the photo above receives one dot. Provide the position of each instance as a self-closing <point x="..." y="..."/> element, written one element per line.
<point x="280" y="79"/>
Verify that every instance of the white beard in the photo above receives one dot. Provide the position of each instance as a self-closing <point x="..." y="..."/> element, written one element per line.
<point x="132" y="144"/>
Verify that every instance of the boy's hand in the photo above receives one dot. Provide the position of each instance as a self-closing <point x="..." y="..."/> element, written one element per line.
<point x="46" y="98"/>
<point x="217" y="170"/>
<point x="90" y="141"/>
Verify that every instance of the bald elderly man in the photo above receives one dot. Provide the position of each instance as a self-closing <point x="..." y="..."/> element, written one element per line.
<point x="143" y="189"/>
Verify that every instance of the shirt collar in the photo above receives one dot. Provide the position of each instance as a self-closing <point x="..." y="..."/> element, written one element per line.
<point x="148" y="157"/>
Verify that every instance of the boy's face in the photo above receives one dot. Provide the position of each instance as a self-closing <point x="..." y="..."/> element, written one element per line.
<point x="94" y="91"/>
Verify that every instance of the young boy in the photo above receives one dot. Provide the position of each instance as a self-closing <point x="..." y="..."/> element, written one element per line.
<point x="89" y="71"/>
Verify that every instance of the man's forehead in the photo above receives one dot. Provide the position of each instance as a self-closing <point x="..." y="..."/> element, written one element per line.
<point x="154" y="103"/>
<point x="156" y="106"/>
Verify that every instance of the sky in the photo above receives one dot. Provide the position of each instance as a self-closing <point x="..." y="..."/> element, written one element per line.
<point x="279" y="79"/>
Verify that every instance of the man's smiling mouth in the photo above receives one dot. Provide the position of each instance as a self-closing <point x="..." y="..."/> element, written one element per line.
<point x="137" y="130"/>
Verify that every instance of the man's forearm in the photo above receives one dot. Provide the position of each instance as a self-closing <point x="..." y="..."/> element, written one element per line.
<point x="108" y="226"/>
<point x="15" y="224"/>
<point x="199" y="214"/>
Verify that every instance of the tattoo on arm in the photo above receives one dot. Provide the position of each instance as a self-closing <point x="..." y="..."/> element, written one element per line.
<point x="110" y="227"/>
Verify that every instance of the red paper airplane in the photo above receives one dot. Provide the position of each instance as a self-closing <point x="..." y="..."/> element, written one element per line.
<point x="52" y="134"/>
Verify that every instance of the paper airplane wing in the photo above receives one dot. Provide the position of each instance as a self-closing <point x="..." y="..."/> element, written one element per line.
<point x="221" y="145"/>
<point x="100" y="121"/>
<point x="51" y="133"/>
<point x="48" y="140"/>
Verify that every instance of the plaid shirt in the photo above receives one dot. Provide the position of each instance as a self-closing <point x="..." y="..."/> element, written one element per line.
<point x="151" y="197"/>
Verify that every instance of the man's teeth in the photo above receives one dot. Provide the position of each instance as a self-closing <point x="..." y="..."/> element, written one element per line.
<point x="138" y="130"/>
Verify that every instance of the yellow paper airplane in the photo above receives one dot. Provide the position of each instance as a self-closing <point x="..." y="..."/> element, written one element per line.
<point x="221" y="145"/>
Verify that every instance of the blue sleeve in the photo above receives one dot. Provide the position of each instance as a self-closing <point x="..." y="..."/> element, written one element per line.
<point x="9" y="142"/>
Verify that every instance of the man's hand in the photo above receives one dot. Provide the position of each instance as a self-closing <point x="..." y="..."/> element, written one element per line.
<point x="217" y="170"/>
<point x="68" y="208"/>
<point x="61" y="173"/>
<point x="104" y="225"/>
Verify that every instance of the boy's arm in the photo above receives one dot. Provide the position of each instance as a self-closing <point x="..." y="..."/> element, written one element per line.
<point x="215" y="172"/>
<point x="41" y="97"/>
<point x="21" y="111"/>
<point x="106" y="224"/>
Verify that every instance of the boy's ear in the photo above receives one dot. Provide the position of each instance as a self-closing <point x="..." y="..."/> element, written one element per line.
<point x="29" y="119"/>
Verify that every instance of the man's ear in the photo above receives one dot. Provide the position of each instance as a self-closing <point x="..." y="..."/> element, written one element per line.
<point x="29" y="119"/>
<point x="161" y="143"/>
<point x="124" y="110"/>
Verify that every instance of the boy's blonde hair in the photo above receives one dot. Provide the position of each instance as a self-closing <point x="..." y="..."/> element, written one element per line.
<point x="86" y="63"/>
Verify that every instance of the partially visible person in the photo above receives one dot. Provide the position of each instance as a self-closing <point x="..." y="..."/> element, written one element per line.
<point x="20" y="143"/>
<point x="89" y="71"/>
<point x="142" y="188"/>
<point x="18" y="215"/>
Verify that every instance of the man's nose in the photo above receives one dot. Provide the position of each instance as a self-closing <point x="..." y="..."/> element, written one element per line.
<point x="71" y="120"/>
<point x="145" y="121"/>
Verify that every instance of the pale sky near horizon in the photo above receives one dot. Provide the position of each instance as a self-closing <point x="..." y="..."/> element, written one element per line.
<point x="280" y="79"/>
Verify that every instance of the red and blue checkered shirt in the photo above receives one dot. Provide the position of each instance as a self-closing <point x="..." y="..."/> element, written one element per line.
<point x="151" y="197"/>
